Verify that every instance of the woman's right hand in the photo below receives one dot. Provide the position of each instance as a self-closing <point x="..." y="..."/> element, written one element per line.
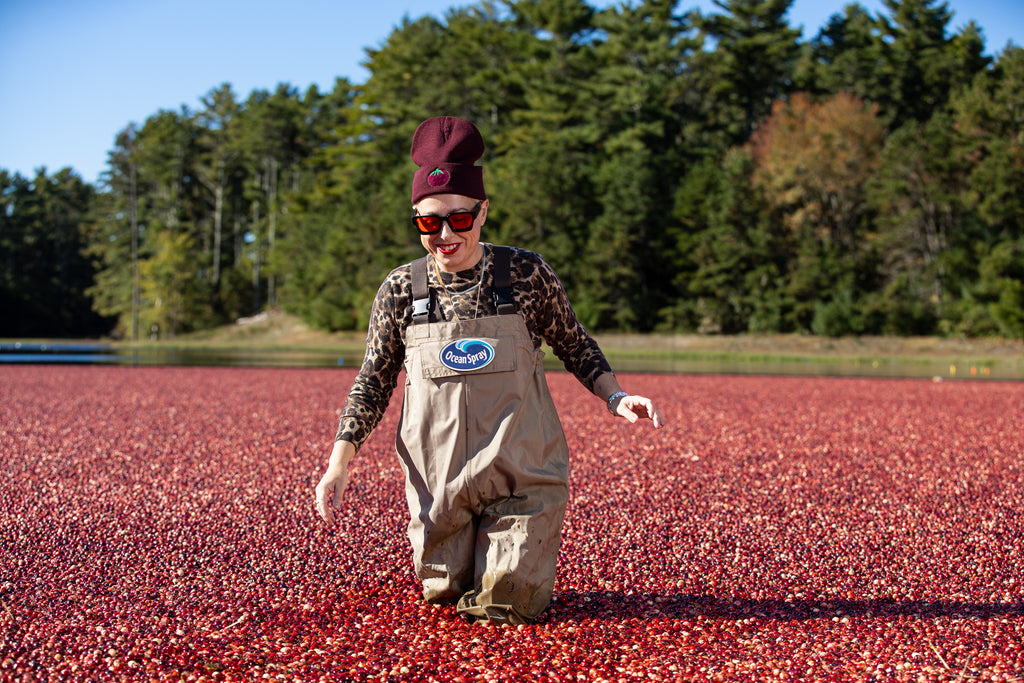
<point x="334" y="481"/>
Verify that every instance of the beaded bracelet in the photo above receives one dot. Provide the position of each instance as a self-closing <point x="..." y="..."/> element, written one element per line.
<point x="617" y="394"/>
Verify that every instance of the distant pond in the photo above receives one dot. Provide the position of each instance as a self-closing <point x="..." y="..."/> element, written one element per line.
<point x="690" y="363"/>
<point x="109" y="354"/>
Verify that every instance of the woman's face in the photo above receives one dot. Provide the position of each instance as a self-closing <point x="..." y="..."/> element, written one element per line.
<point x="453" y="251"/>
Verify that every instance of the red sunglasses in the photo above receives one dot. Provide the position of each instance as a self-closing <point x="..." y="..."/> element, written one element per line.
<point x="459" y="221"/>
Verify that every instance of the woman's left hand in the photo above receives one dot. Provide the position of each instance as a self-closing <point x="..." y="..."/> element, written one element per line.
<point x="634" y="408"/>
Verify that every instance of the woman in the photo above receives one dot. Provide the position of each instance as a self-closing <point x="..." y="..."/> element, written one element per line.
<point x="479" y="441"/>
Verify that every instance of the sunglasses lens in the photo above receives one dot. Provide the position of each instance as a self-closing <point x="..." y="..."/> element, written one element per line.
<point x="461" y="221"/>
<point x="427" y="225"/>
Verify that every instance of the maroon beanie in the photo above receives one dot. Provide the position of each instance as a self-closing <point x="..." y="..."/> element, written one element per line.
<point x="445" y="149"/>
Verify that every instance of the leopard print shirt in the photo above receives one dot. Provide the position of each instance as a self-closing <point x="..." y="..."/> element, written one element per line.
<point x="540" y="299"/>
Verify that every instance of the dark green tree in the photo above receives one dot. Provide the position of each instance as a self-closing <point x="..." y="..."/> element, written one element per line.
<point x="274" y="135"/>
<point x="990" y="117"/>
<point x="332" y="131"/>
<point x="732" y="260"/>
<point x="43" y="271"/>
<point x="217" y="167"/>
<point x="902" y="60"/>
<point x="150" y="187"/>
<point x="921" y="64"/>
<point x="847" y="55"/>
<point x="637" y="103"/>
<point x="751" y="65"/>
<point x="1001" y="286"/>
<point x="920" y="200"/>
<point x="114" y="239"/>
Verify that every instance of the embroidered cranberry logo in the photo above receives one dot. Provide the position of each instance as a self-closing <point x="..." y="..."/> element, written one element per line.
<point x="438" y="178"/>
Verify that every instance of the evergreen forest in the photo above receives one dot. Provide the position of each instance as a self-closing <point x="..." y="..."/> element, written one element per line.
<point x="715" y="173"/>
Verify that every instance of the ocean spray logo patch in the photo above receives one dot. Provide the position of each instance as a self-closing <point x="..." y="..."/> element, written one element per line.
<point x="464" y="355"/>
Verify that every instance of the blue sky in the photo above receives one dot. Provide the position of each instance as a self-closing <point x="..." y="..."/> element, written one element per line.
<point x="74" y="73"/>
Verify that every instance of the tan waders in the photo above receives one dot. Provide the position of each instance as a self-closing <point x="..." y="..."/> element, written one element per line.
<point x="486" y="464"/>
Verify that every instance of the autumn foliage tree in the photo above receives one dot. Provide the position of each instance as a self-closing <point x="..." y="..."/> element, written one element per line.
<point x="815" y="161"/>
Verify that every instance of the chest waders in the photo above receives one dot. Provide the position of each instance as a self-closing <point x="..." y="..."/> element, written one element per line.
<point x="485" y="458"/>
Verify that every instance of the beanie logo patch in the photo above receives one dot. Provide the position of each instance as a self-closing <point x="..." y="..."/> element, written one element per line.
<point x="438" y="178"/>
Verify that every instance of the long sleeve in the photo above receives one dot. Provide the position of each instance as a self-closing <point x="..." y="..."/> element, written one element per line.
<point x="552" y="314"/>
<point x="378" y="376"/>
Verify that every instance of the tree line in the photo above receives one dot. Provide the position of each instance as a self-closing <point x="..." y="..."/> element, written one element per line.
<point x="681" y="171"/>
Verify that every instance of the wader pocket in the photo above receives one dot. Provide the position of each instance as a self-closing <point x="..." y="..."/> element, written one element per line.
<point x="467" y="356"/>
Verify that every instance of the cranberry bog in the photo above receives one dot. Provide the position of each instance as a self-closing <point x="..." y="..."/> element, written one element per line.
<point x="157" y="524"/>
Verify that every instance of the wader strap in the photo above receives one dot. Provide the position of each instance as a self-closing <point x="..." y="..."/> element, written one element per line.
<point x="504" y="295"/>
<point x="422" y="305"/>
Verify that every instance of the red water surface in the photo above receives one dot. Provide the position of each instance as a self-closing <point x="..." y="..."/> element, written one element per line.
<point x="158" y="524"/>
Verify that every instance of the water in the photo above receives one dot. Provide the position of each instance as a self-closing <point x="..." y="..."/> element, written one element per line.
<point x="690" y="363"/>
<point x="90" y="354"/>
<point x="829" y="367"/>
